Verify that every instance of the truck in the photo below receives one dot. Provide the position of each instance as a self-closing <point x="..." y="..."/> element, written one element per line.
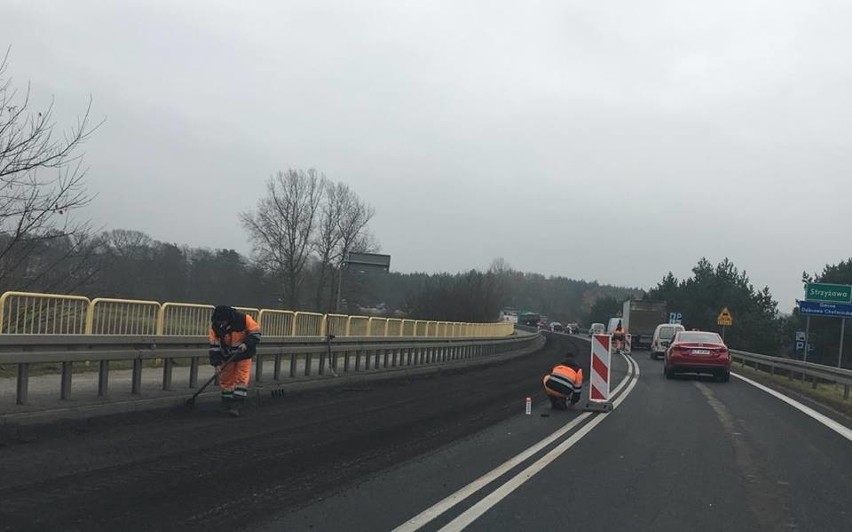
<point x="640" y="318"/>
<point x="529" y="319"/>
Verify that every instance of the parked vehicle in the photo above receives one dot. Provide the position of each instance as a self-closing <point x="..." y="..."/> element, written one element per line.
<point x="663" y="335"/>
<point x="557" y="327"/>
<point x="698" y="352"/>
<point x="640" y="318"/>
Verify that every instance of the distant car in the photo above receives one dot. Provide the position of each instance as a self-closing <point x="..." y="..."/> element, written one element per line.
<point x="557" y="327"/>
<point x="543" y="325"/>
<point x="597" y="328"/>
<point x="663" y="335"/>
<point x="698" y="352"/>
<point x="572" y="328"/>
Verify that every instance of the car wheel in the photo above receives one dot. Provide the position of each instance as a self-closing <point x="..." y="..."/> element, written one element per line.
<point x="724" y="377"/>
<point x="668" y="372"/>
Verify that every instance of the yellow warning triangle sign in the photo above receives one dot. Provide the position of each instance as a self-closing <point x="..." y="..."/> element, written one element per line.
<point x="725" y="318"/>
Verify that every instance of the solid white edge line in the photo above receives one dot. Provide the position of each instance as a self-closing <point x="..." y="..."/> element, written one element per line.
<point x="435" y="511"/>
<point x="478" y="509"/>
<point x="825" y="420"/>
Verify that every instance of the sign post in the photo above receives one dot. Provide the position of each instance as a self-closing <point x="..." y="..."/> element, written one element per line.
<point x="831" y="300"/>
<point x="724" y="319"/>
<point x="362" y="263"/>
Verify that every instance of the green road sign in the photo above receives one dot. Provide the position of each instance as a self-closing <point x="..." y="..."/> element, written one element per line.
<point x="835" y="293"/>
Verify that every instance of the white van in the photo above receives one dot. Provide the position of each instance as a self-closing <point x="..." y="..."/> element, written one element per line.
<point x="663" y="335"/>
<point x="613" y="325"/>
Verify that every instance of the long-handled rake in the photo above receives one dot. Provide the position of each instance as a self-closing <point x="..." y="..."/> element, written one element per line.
<point x="191" y="401"/>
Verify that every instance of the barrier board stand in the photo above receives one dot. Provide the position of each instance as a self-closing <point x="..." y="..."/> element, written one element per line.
<point x="599" y="374"/>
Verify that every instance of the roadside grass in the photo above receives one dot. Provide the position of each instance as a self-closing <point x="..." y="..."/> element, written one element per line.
<point x="828" y="394"/>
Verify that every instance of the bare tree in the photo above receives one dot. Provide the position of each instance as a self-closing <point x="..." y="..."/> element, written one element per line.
<point x="282" y="228"/>
<point x="352" y="231"/>
<point x="35" y="208"/>
<point x="328" y="237"/>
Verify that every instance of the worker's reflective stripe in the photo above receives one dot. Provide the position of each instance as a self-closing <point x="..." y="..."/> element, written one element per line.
<point x="564" y="381"/>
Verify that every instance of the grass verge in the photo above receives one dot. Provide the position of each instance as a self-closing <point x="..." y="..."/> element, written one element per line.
<point x="830" y="395"/>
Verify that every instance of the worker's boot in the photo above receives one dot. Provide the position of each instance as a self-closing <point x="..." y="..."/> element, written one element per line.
<point x="229" y="407"/>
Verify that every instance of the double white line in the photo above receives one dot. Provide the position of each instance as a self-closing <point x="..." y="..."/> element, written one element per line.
<point x="477" y="510"/>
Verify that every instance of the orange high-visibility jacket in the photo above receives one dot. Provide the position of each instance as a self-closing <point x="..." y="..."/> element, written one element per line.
<point x="575" y="376"/>
<point x="241" y="329"/>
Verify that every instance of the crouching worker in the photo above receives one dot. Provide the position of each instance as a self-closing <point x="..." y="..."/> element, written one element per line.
<point x="233" y="341"/>
<point x="564" y="383"/>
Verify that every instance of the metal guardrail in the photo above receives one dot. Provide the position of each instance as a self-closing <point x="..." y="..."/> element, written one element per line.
<point x="292" y="357"/>
<point x="805" y="370"/>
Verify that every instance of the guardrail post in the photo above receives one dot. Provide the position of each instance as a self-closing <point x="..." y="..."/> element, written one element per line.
<point x="346" y="362"/>
<point x="292" y="365"/>
<point x="258" y="370"/>
<point x="322" y="364"/>
<point x="136" y="376"/>
<point x="168" y="365"/>
<point x="103" y="378"/>
<point x="386" y="357"/>
<point x="276" y="370"/>
<point x="65" y="385"/>
<point x="357" y="360"/>
<point x="367" y="356"/>
<point x="193" y="371"/>
<point x="23" y="383"/>
<point x="308" y="364"/>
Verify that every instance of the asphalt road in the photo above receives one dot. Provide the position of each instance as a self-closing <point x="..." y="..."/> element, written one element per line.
<point x="686" y="454"/>
<point x="196" y="470"/>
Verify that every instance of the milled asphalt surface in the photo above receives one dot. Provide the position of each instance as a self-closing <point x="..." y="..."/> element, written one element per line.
<point x="197" y="470"/>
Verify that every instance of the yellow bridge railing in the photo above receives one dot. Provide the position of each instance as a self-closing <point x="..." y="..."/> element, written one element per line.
<point x="34" y="313"/>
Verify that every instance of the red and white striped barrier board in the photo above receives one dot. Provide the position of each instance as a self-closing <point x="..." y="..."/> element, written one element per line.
<point x="628" y="339"/>
<point x="599" y="374"/>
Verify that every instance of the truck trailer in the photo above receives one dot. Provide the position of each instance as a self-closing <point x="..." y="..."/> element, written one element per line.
<point x="639" y="319"/>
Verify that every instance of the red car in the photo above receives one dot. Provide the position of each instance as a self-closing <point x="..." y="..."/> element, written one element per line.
<point x="698" y="352"/>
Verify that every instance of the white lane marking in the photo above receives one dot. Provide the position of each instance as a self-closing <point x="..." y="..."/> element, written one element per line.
<point x="433" y="512"/>
<point x="825" y="420"/>
<point x="478" y="509"/>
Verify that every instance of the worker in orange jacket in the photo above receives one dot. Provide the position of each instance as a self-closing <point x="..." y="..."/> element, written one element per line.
<point x="564" y="383"/>
<point x="233" y="342"/>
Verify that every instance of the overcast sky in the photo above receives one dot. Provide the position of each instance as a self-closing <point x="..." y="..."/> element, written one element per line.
<point x="595" y="140"/>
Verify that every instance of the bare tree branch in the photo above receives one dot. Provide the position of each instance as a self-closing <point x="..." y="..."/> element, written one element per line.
<point x="35" y="207"/>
